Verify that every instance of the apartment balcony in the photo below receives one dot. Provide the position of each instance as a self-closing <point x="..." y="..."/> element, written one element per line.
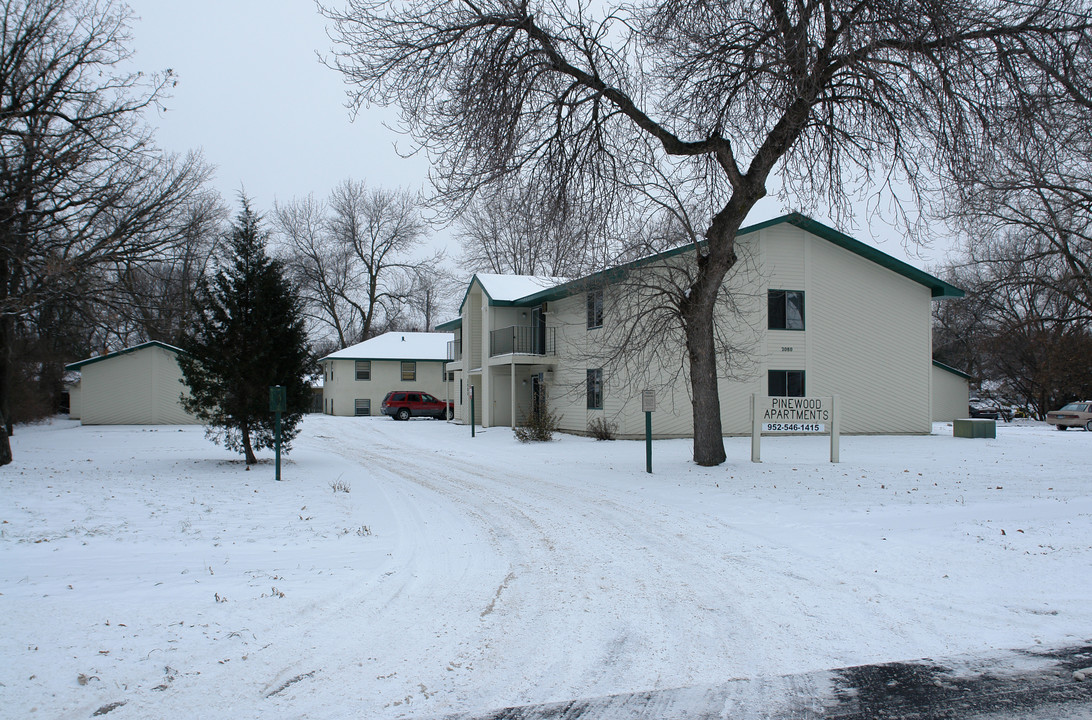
<point x="454" y="350"/>
<point x="522" y="340"/>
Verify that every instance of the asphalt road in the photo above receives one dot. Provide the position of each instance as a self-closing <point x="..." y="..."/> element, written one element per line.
<point x="1022" y="685"/>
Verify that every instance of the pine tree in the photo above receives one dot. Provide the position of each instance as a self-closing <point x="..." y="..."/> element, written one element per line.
<point x="248" y="335"/>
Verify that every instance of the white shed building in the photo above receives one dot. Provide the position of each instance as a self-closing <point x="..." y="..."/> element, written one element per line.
<point x="141" y="385"/>
<point x="951" y="393"/>
<point x="355" y="380"/>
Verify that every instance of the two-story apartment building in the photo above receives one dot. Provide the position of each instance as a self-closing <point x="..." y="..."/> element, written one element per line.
<point x="357" y="378"/>
<point x="807" y="311"/>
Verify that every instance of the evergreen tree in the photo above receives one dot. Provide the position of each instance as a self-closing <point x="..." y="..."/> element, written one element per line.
<point x="248" y="334"/>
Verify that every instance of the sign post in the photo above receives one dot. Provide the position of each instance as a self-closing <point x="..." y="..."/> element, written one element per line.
<point x="470" y="391"/>
<point x="278" y="403"/>
<point x="648" y="405"/>
<point x="794" y="415"/>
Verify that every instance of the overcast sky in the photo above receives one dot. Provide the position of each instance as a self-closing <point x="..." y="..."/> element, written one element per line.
<point x="254" y="98"/>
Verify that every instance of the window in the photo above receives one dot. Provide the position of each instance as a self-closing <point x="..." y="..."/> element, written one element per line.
<point x="363" y="407"/>
<point x="363" y="369"/>
<point x="409" y="371"/>
<point x="595" y="389"/>
<point x="786" y="383"/>
<point x="460" y="392"/>
<point x="595" y="309"/>
<point x="786" y="310"/>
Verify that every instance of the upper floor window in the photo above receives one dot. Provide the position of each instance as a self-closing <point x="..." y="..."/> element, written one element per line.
<point x="363" y="369"/>
<point x="786" y="310"/>
<point x="595" y="309"/>
<point x="409" y="371"/>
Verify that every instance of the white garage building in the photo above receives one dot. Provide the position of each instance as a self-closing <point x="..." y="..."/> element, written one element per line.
<point x="140" y="385"/>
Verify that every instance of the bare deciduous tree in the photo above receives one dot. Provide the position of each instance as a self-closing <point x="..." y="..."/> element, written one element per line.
<point x="353" y="256"/>
<point x="152" y="299"/>
<point x="516" y="230"/>
<point x="829" y="94"/>
<point x="1018" y="331"/>
<point x="82" y="187"/>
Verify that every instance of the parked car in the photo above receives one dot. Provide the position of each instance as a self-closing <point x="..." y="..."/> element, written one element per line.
<point x="989" y="410"/>
<point x="404" y="404"/>
<point x="1075" y="414"/>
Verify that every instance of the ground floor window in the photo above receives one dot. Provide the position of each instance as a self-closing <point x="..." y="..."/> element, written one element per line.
<point x="363" y="407"/>
<point x="595" y="389"/>
<point x="409" y="371"/>
<point x="786" y="383"/>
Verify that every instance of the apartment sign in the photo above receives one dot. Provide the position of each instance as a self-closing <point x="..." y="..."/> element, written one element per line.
<point x="796" y="414"/>
<point x="793" y="415"/>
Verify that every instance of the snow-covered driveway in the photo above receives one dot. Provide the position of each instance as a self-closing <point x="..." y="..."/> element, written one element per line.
<point x="461" y="574"/>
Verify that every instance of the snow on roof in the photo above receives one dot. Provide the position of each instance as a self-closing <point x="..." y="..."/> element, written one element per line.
<point x="507" y="288"/>
<point x="398" y="346"/>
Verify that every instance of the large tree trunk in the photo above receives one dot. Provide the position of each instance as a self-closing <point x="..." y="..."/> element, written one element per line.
<point x="6" y="428"/>
<point x="699" y="317"/>
<point x="248" y="450"/>
<point x="5" y="442"/>
<point x="701" y="351"/>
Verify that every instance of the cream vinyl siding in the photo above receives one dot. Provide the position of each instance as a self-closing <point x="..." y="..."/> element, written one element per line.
<point x="135" y="388"/>
<point x="344" y="389"/>
<point x="870" y="341"/>
<point x="951" y="396"/>
<point x="581" y="349"/>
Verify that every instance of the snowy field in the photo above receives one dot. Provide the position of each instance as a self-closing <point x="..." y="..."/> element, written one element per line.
<point x="448" y="574"/>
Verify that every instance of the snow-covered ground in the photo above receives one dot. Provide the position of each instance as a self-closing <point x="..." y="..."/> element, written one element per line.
<point x="146" y="566"/>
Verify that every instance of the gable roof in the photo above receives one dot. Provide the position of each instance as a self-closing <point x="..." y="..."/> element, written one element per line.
<point x="398" y="346"/>
<point x="539" y="289"/>
<point x="937" y="287"/>
<point x="126" y="351"/>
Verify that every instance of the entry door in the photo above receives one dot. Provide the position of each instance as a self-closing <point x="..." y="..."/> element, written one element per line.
<point x="538" y="323"/>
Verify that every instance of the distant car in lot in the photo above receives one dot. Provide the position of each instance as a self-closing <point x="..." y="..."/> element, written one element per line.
<point x="989" y="410"/>
<point x="404" y="404"/>
<point x="1075" y="414"/>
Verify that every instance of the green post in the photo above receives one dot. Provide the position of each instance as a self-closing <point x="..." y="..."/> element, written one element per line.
<point x="277" y="430"/>
<point x="648" y="442"/>
<point x="278" y="403"/>
<point x="471" y="412"/>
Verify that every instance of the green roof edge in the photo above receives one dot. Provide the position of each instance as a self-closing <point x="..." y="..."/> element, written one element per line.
<point x="952" y="370"/>
<point x="126" y="351"/>
<point x="937" y="287"/>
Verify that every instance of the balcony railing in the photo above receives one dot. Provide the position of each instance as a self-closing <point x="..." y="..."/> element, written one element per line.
<point x="522" y="340"/>
<point x="455" y="350"/>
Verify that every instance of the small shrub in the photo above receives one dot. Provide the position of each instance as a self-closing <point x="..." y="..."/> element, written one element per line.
<point x="602" y="429"/>
<point x="540" y="427"/>
<point x="340" y="485"/>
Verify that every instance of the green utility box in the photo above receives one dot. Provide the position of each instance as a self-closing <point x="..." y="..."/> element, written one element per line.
<point x="974" y="428"/>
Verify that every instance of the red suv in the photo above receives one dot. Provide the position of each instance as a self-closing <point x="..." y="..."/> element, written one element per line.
<point x="404" y="404"/>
